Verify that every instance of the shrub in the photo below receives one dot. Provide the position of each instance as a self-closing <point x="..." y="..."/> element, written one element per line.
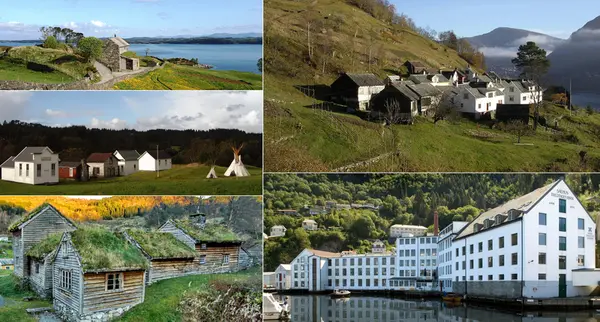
<point x="90" y="48"/>
<point x="51" y="42"/>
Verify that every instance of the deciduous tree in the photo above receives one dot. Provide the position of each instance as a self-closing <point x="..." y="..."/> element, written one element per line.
<point x="90" y="48"/>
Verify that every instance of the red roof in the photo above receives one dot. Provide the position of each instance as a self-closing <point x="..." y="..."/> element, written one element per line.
<point x="99" y="157"/>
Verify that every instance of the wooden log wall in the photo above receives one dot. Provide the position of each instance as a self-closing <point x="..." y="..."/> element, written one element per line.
<point x="97" y="298"/>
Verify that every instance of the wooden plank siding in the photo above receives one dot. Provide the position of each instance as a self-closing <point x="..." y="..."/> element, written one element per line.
<point x="97" y="298"/>
<point x="169" y="268"/>
<point x="169" y="227"/>
<point x="41" y="282"/>
<point x="214" y="257"/>
<point x="18" y="254"/>
<point x="67" y="258"/>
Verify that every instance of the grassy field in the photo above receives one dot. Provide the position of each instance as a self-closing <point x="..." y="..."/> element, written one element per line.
<point x="6" y="250"/>
<point x="301" y="138"/>
<point x="179" y="77"/>
<point x="65" y="67"/>
<point x="163" y="298"/>
<point x="143" y="59"/>
<point x="180" y="180"/>
<point x="14" y="306"/>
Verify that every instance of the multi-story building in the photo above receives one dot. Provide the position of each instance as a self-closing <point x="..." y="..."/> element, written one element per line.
<point x="540" y="245"/>
<point x="283" y="277"/>
<point x="398" y="230"/>
<point x="445" y="262"/>
<point x="417" y="262"/>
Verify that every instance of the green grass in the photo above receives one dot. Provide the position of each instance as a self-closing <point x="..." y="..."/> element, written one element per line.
<point x="300" y="138"/>
<point x="44" y="247"/>
<point x="178" y="77"/>
<point x="180" y="180"/>
<point x="143" y="59"/>
<point x="163" y="298"/>
<point x="210" y="233"/>
<point x="14" y="308"/>
<point x="18" y="72"/>
<point x="161" y="245"/>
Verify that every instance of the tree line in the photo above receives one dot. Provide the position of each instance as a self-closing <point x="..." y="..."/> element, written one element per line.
<point x="74" y="143"/>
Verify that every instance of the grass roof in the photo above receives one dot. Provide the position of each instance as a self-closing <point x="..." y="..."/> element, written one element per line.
<point x="103" y="250"/>
<point x="161" y="245"/>
<point x="45" y="246"/>
<point x="210" y="233"/>
<point x="15" y="225"/>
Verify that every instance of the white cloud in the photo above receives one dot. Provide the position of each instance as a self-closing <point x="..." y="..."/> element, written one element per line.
<point x="98" y="23"/>
<point x="540" y="40"/>
<point x="55" y="113"/>
<point x="71" y="25"/>
<point x="114" y="124"/>
<point x="499" y="51"/>
<point x="13" y="104"/>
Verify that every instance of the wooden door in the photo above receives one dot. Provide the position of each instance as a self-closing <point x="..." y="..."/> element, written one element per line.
<point x="562" y="285"/>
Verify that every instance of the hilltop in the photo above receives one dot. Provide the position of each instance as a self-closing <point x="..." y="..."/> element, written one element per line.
<point x="306" y="132"/>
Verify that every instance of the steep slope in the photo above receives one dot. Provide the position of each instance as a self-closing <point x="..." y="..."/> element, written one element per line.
<point x="501" y="44"/>
<point x="578" y="59"/>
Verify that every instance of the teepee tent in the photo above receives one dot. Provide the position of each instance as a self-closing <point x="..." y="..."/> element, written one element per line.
<point x="237" y="168"/>
<point x="212" y="174"/>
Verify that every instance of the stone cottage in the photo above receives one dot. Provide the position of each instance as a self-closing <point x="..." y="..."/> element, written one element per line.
<point x="112" y="55"/>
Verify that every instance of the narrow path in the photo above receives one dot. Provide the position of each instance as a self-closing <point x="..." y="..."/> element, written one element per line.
<point x="104" y="71"/>
<point x="362" y="163"/>
<point x="281" y="139"/>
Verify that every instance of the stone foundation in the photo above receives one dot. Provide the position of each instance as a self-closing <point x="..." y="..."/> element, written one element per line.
<point x="70" y="315"/>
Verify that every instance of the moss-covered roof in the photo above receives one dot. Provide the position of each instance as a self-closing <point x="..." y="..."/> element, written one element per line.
<point x="161" y="245"/>
<point x="45" y="247"/>
<point x="210" y="232"/>
<point x="103" y="250"/>
<point x="15" y="225"/>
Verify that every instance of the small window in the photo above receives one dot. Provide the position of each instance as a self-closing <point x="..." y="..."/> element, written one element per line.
<point x="542" y="258"/>
<point x="480" y="262"/>
<point x="202" y="259"/>
<point x="37" y="268"/>
<point x="490" y="277"/>
<point x="514" y="240"/>
<point x="562" y="206"/>
<point x="580" y="242"/>
<point x="542" y="277"/>
<point x="38" y="169"/>
<point x="542" y="239"/>
<point x="542" y="219"/>
<point x="226" y="259"/>
<point x="562" y="224"/>
<point x="53" y="169"/>
<point x="471" y="248"/>
<point x="203" y="246"/>
<point x="501" y="242"/>
<point x="480" y="247"/>
<point x="562" y="262"/>
<point x="514" y="259"/>
<point x="501" y="260"/>
<point x="480" y="277"/>
<point x="580" y="224"/>
<point x="501" y="277"/>
<point x="490" y="261"/>
<point x="562" y="243"/>
<point x="466" y="96"/>
<point x="513" y="276"/>
<point x="580" y="260"/>
<point x="65" y="280"/>
<point x="114" y="281"/>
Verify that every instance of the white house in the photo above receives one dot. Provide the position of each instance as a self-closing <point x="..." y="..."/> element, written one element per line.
<point x="417" y="263"/>
<point x="540" y="245"/>
<point x="33" y="165"/>
<point x="476" y="100"/>
<point x="283" y="277"/>
<point x="378" y="247"/>
<point x="103" y="165"/>
<point x="309" y="224"/>
<point x="445" y="251"/>
<point x="356" y="90"/>
<point x="150" y="160"/>
<point x="127" y="161"/>
<point x="278" y="231"/>
<point x="522" y="92"/>
<point x="269" y="279"/>
<point x="398" y="230"/>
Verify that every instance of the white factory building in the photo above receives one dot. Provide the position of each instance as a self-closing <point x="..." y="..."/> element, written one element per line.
<point x="417" y="263"/>
<point x="445" y="252"/>
<point x="540" y="245"/>
<point x="402" y="230"/>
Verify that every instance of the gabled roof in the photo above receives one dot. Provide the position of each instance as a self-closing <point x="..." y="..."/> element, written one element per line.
<point x="365" y="79"/>
<point x="119" y="41"/>
<point x="46" y="246"/>
<point x="210" y="233"/>
<point x="523" y="203"/>
<point x="441" y="78"/>
<point x="424" y="90"/>
<point x="162" y="154"/>
<point x="286" y="267"/>
<point x="279" y="226"/>
<point x="160" y="245"/>
<point x="402" y="88"/>
<point x="9" y="163"/>
<point x="420" y="78"/>
<point x="322" y="253"/>
<point x="309" y="221"/>
<point x="128" y="155"/>
<point x="99" y="157"/>
<point x="26" y="155"/>
<point x="7" y="261"/>
<point x="25" y="219"/>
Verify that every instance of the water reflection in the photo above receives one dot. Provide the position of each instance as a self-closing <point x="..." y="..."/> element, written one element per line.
<point x="322" y="308"/>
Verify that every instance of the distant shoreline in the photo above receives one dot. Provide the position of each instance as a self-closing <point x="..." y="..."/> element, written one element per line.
<point x="175" y="41"/>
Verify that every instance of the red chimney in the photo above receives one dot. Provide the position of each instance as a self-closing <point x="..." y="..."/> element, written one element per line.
<point x="435" y="224"/>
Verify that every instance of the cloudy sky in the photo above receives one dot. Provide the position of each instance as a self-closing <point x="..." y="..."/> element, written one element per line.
<point x="474" y="17"/>
<point x="140" y="110"/>
<point x="21" y="20"/>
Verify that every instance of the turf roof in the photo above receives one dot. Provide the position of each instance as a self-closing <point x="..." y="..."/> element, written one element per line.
<point x="103" y="250"/>
<point x="45" y="246"/>
<point x="161" y="245"/>
<point x="15" y="225"/>
<point x="210" y="232"/>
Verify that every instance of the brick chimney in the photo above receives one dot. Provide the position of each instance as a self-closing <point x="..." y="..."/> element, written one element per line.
<point x="435" y="224"/>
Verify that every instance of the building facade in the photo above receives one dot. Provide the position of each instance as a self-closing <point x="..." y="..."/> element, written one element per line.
<point x="153" y="160"/>
<point x="33" y="165"/>
<point x="445" y="254"/>
<point x="398" y="230"/>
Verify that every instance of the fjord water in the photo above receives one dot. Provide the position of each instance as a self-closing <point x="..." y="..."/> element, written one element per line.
<point x="322" y="308"/>
<point x="223" y="57"/>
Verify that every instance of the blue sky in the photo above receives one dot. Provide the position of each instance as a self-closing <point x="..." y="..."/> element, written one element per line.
<point x="474" y="17"/>
<point x="20" y="20"/>
<point x="141" y="110"/>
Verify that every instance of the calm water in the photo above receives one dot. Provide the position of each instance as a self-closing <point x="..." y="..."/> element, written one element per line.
<point x="321" y="308"/>
<point x="585" y="99"/>
<point x="223" y="57"/>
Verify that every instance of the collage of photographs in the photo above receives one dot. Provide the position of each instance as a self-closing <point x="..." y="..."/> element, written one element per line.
<point x="299" y="161"/>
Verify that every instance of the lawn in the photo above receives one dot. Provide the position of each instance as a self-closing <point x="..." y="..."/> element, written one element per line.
<point x="164" y="297"/>
<point x="179" y="77"/>
<point x="14" y="306"/>
<point x="59" y="66"/>
<point x="180" y="180"/>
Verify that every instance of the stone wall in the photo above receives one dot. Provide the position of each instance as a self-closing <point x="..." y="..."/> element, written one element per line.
<point x="69" y="315"/>
<point x="499" y="289"/>
<point x="111" y="56"/>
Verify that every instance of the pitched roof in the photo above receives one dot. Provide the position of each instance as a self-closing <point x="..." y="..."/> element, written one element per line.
<point x="287" y="267"/>
<point x="441" y="78"/>
<point x="8" y="163"/>
<point x="523" y="203"/>
<point x="210" y="233"/>
<point x="160" y="245"/>
<point x="101" y="250"/>
<point x="119" y="41"/>
<point x="518" y="85"/>
<point x="162" y="154"/>
<point x="26" y="155"/>
<point x="99" y="157"/>
<point x="402" y="88"/>
<point x="128" y="155"/>
<point x="7" y="261"/>
<point x="425" y="89"/>
<point x="39" y="209"/>
<point x="69" y="164"/>
<point x="420" y="78"/>
<point x="322" y="253"/>
<point x="46" y="246"/>
<point x="309" y="221"/>
<point x="365" y="79"/>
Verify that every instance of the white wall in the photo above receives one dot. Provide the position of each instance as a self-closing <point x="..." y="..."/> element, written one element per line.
<point x="148" y="163"/>
<point x="8" y="174"/>
<point x="100" y="165"/>
<point x="283" y="278"/>
<point x="365" y="93"/>
<point x="46" y="160"/>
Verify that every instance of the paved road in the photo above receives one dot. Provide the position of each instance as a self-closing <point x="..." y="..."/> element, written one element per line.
<point x="104" y="71"/>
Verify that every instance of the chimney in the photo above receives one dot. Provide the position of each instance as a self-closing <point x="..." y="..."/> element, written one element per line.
<point x="199" y="218"/>
<point x="435" y="224"/>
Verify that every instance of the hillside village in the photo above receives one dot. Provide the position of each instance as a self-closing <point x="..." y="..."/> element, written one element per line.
<point x="95" y="274"/>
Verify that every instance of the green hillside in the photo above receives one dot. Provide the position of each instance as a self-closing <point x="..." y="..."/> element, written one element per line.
<point x="304" y="133"/>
